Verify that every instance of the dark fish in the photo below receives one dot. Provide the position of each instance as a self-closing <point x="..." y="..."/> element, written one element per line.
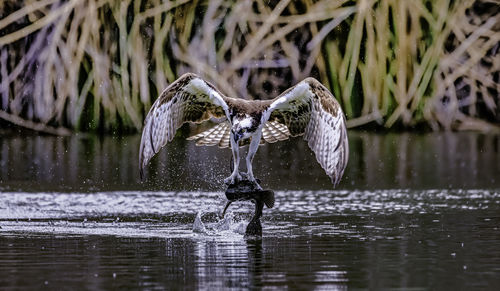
<point x="246" y="190"/>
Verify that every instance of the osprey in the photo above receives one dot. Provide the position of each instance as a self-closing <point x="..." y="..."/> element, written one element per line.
<point x="307" y="109"/>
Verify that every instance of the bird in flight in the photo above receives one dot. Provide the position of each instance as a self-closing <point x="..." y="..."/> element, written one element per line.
<point x="307" y="109"/>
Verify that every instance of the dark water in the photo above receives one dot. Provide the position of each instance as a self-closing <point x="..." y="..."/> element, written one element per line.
<point x="413" y="211"/>
<point x="376" y="161"/>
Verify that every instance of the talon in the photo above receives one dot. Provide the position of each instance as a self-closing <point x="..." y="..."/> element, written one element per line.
<point x="233" y="179"/>
<point x="254" y="181"/>
<point x="257" y="185"/>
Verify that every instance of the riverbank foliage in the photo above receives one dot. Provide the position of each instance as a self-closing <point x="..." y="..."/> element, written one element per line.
<point x="97" y="65"/>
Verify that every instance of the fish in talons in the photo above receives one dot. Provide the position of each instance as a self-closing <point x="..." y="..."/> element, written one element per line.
<point x="250" y="190"/>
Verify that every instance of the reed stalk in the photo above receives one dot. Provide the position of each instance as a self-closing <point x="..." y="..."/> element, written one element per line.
<point x="97" y="65"/>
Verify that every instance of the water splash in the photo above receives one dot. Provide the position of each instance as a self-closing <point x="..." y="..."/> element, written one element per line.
<point x="228" y="225"/>
<point x="198" y="225"/>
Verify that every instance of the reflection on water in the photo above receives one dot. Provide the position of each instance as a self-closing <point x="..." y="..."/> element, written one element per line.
<point x="389" y="161"/>
<point x="109" y="263"/>
<point x="413" y="211"/>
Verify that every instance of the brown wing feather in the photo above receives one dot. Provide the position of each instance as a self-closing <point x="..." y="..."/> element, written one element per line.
<point x="309" y="109"/>
<point x="188" y="99"/>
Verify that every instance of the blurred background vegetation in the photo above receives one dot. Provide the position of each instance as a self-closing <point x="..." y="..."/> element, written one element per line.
<point x="97" y="65"/>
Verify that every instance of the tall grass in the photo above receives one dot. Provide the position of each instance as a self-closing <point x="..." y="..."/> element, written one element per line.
<point x="396" y="58"/>
<point x="98" y="64"/>
<point x="467" y="80"/>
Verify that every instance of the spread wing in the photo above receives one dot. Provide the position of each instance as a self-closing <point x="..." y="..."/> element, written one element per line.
<point x="188" y="99"/>
<point x="309" y="109"/>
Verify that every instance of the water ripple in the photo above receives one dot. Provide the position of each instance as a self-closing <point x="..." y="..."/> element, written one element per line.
<point x="19" y="205"/>
<point x="187" y="214"/>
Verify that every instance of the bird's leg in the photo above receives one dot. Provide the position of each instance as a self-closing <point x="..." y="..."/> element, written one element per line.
<point x="235" y="176"/>
<point x="254" y="146"/>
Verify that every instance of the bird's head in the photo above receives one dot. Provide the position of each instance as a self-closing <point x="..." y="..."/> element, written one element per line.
<point x="242" y="125"/>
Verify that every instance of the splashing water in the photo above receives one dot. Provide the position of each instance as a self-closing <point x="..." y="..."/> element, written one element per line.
<point x="227" y="225"/>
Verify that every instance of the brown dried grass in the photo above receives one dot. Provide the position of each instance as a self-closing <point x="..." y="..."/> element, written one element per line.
<point x="98" y="64"/>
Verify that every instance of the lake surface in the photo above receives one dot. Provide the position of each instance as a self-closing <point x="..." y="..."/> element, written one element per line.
<point x="419" y="211"/>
